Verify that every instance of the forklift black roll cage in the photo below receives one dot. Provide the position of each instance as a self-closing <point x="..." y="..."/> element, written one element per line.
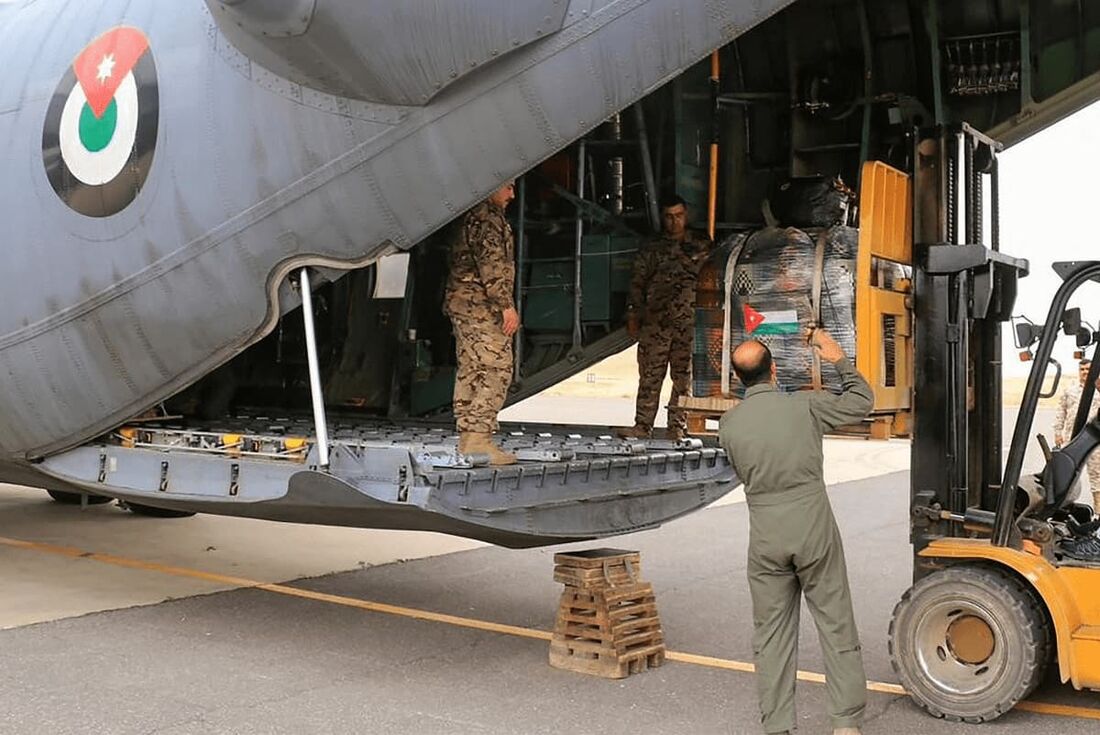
<point x="1064" y="463"/>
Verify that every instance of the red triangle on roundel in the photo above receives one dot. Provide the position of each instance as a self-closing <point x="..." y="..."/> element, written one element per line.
<point x="753" y="318"/>
<point x="105" y="62"/>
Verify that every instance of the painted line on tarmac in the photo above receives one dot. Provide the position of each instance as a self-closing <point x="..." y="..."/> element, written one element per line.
<point x="1059" y="710"/>
<point x="695" y="659"/>
<point x="880" y="687"/>
<point x="282" y="589"/>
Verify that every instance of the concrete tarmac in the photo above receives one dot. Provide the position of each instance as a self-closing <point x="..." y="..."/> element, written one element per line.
<point x="260" y="661"/>
<point x="170" y="626"/>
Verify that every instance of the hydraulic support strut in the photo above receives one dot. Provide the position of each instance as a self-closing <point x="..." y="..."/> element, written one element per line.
<point x="316" y="397"/>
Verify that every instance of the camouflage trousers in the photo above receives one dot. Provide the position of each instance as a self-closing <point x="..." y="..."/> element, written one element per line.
<point x="1092" y="469"/>
<point x="660" y="349"/>
<point x="484" y="372"/>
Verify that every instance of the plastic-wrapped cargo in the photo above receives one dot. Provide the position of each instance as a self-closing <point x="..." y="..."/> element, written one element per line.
<point x="772" y="299"/>
<point x="811" y="201"/>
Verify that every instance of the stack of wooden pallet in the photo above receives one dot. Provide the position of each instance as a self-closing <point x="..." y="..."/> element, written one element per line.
<point x="607" y="622"/>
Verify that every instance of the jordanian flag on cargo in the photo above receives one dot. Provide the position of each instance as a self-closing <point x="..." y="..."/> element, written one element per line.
<point x="764" y="323"/>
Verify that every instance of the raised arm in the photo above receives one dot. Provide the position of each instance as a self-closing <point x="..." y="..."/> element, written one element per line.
<point x="856" y="398"/>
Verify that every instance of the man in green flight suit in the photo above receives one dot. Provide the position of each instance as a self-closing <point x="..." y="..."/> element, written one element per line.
<point x="773" y="441"/>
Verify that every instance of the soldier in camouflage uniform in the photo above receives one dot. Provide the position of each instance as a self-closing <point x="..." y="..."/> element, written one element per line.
<point x="479" y="302"/>
<point x="1063" y="431"/>
<point x="661" y="315"/>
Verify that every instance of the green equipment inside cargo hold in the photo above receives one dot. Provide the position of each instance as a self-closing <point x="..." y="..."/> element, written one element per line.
<point x="605" y="281"/>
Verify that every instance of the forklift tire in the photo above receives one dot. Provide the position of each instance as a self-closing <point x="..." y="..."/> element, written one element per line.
<point x="74" y="498"/>
<point x="151" y="512"/>
<point x="969" y="643"/>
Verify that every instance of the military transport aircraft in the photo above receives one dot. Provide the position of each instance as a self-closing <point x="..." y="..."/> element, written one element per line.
<point x="180" y="177"/>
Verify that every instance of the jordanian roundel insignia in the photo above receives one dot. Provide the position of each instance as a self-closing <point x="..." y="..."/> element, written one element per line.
<point x="101" y="127"/>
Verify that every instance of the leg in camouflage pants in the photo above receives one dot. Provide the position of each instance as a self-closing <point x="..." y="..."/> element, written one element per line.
<point x="660" y="349"/>
<point x="484" y="373"/>
<point x="1092" y="466"/>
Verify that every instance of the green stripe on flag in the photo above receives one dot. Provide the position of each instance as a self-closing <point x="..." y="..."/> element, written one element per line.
<point x="778" y="328"/>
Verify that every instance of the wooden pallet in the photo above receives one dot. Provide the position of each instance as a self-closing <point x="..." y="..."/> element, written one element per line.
<point x="594" y="569"/>
<point x="880" y="426"/>
<point x="607" y="623"/>
<point x="697" y="411"/>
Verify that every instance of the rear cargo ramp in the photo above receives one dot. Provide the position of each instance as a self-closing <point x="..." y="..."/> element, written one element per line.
<point x="567" y="486"/>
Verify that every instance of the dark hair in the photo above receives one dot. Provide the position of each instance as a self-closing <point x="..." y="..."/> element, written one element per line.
<point x="761" y="372"/>
<point x="671" y="199"/>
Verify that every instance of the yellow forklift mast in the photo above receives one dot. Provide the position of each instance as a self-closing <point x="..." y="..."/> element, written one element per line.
<point x="1006" y="565"/>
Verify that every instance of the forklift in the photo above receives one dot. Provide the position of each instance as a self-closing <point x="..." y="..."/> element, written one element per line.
<point x="1006" y="566"/>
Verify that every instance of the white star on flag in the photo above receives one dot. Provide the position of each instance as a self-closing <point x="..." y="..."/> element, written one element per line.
<point x="106" y="68"/>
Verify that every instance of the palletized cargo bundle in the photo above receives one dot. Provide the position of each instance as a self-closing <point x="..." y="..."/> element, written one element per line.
<point x="781" y="281"/>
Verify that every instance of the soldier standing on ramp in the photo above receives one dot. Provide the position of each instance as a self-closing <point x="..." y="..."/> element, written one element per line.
<point x="774" y="443"/>
<point x="661" y="315"/>
<point x="484" y="317"/>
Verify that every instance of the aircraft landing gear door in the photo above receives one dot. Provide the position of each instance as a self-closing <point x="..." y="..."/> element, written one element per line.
<point x="884" y="346"/>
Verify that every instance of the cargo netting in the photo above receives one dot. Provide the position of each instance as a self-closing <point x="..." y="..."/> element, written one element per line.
<point x="771" y="300"/>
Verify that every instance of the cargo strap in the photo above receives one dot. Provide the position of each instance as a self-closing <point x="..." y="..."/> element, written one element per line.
<point x="731" y="266"/>
<point x="815" y="303"/>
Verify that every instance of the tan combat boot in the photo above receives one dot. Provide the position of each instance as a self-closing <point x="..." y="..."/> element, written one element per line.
<point x="496" y="454"/>
<point x="1096" y="502"/>
<point x="635" y="432"/>
<point x="482" y="443"/>
<point x="846" y="731"/>
<point x="675" y="433"/>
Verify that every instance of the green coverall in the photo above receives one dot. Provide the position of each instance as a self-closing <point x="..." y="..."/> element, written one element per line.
<point x="774" y="442"/>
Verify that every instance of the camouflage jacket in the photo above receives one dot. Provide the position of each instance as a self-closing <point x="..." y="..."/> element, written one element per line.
<point x="483" y="269"/>
<point x="662" y="288"/>
<point x="1067" y="409"/>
